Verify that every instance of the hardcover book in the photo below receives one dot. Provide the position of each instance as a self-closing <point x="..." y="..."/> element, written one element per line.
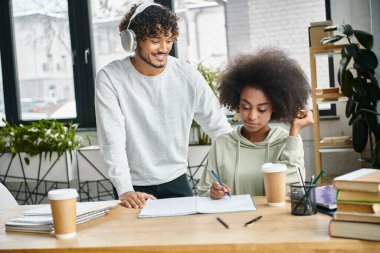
<point x="361" y="217"/>
<point x="367" y="180"/>
<point x="357" y="197"/>
<point x="355" y="230"/>
<point x="358" y="207"/>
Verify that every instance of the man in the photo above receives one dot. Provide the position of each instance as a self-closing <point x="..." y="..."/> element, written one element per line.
<point x="145" y="105"/>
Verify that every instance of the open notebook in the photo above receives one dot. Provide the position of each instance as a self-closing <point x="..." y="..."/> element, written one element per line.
<point x="196" y="204"/>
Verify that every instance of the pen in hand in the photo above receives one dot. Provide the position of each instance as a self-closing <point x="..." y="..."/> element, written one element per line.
<point x="219" y="181"/>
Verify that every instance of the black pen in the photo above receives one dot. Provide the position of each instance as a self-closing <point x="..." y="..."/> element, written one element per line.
<point x="222" y="222"/>
<point x="252" y="221"/>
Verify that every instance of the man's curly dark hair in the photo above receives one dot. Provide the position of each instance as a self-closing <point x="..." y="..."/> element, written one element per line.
<point x="153" y="22"/>
<point x="273" y="72"/>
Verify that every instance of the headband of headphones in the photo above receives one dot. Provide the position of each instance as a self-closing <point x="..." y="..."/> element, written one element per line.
<point x="140" y="9"/>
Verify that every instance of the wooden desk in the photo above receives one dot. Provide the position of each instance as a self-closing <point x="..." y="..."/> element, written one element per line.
<point x="122" y="231"/>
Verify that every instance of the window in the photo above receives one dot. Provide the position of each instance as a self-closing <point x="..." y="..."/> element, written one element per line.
<point x="202" y="23"/>
<point x="42" y="38"/>
<point x="243" y="25"/>
<point x="49" y="71"/>
<point x="106" y="16"/>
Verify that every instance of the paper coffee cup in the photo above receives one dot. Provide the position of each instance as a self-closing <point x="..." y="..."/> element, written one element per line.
<point x="63" y="208"/>
<point x="275" y="183"/>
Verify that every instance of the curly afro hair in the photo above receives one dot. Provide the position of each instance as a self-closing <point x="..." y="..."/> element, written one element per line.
<point x="273" y="72"/>
<point x="153" y="22"/>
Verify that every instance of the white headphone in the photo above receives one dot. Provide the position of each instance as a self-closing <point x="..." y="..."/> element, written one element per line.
<point x="128" y="36"/>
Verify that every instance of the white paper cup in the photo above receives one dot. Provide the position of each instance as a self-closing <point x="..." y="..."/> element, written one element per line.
<point x="63" y="208"/>
<point x="275" y="183"/>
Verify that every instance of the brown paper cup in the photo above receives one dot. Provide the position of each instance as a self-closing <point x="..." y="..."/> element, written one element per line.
<point x="274" y="183"/>
<point x="63" y="207"/>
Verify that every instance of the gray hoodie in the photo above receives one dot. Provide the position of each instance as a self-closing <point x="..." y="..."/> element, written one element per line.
<point x="238" y="161"/>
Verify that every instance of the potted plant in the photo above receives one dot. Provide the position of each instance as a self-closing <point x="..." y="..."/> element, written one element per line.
<point x="44" y="136"/>
<point x="47" y="147"/>
<point x="358" y="83"/>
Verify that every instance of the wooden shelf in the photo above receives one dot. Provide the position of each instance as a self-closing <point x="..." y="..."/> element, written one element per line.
<point x="341" y="99"/>
<point x="324" y="95"/>
<point x="335" y="150"/>
<point x="334" y="96"/>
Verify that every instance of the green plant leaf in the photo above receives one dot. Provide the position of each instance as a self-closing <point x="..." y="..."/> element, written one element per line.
<point x="376" y="156"/>
<point x="350" y="106"/>
<point x="347" y="83"/>
<point x="366" y="59"/>
<point x="343" y="65"/>
<point x="27" y="161"/>
<point x="359" y="134"/>
<point x="371" y="120"/>
<point x="360" y="87"/>
<point x="346" y="29"/>
<point x="355" y="117"/>
<point x="350" y="50"/>
<point x="373" y="92"/>
<point x="331" y="28"/>
<point x="364" y="38"/>
<point x="331" y="39"/>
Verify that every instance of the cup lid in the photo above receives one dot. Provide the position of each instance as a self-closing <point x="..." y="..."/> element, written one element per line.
<point x="273" y="167"/>
<point x="62" y="194"/>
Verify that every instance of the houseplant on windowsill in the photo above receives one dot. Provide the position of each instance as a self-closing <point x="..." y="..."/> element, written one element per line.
<point x="43" y="136"/>
<point x="357" y="81"/>
<point x="45" y="151"/>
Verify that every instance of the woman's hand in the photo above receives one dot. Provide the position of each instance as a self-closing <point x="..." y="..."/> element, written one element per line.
<point x="217" y="191"/>
<point x="303" y="119"/>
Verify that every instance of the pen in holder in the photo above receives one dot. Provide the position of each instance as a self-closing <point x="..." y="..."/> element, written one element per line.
<point x="303" y="200"/>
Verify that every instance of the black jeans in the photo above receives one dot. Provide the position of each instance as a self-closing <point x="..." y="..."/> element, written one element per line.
<point x="178" y="187"/>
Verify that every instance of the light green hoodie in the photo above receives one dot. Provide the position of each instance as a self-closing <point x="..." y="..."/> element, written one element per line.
<point x="238" y="161"/>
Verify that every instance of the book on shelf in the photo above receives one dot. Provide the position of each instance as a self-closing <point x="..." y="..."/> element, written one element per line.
<point x="196" y="204"/>
<point x="361" y="217"/>
<point x="40" y="220"/>
<point x="357" y="197"/>
<point x="366" y="180"/>
<point x="358" y="207"/>
<point x="354" y="230"/>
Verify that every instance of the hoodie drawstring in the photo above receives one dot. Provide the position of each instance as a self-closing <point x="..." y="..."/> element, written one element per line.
<point x="236" y="175"/>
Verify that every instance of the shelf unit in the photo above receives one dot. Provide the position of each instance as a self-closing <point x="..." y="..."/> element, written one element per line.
<point x="316" y="33"/>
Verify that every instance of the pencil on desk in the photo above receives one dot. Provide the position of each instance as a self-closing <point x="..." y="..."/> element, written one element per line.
<point x="252" y="221"/>
<point x="222" y="222"/>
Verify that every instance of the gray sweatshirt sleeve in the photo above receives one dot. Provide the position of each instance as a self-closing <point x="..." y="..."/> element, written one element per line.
<point x="111" y="133"/>
<point x="208" y="112"/>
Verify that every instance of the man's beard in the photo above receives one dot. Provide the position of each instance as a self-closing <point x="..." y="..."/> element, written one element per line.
<point x="148" y="61"/>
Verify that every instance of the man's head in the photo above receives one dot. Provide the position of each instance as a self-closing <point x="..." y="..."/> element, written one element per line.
<point x="156" y="28"/>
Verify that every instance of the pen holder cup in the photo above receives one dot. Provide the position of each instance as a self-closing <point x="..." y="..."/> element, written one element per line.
<point x="302" y="197"/>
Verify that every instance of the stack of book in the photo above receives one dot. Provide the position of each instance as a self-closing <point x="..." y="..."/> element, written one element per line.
<point x="358" y="205"/>
<point x="40" y="220"/>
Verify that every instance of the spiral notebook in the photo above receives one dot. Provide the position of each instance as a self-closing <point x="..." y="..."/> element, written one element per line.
<point x="40" y="220"/>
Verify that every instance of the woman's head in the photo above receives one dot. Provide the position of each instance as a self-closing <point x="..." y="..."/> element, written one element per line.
<point x="274" y="74"/>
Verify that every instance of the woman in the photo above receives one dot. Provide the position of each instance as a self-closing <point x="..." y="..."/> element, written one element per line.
<point x="264" y="86"/>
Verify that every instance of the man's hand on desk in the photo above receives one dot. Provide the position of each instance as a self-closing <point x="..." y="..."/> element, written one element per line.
<point x="135" y="199"/>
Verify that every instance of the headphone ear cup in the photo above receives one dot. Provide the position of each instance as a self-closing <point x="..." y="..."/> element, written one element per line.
<point x="128" y="40"/>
